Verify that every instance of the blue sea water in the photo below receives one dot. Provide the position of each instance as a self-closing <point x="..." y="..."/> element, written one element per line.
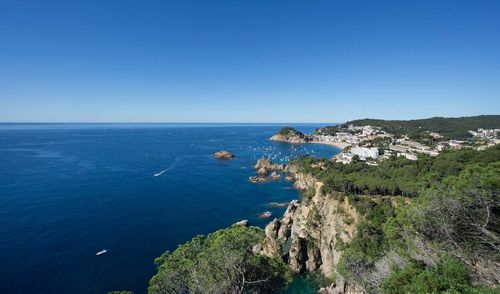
<point x="70" y="190"/>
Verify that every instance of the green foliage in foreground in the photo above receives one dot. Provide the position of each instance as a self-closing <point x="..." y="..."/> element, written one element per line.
<point x="458" y="213"/>
<point x="369" y="240"/>
<point x="222" y="262"/>
<point x="448" y="275"/>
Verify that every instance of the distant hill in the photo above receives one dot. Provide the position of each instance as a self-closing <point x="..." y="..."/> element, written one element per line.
<point x="448" y="127"/>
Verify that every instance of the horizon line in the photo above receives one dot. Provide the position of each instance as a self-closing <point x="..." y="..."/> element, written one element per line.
<point x="194" y="122"/>
<point x="163" y="122"/>
<point x="62" y="122"/>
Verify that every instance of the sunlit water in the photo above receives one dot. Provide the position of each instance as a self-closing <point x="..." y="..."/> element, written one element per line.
<point x="68" y="191"/>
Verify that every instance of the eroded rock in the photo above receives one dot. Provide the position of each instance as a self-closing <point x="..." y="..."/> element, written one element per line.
<point x="257" y="179"/>
<point x="224" y="155"/>
<point x="243" y="222"/>
<point x="264" y="166"/>
<point x="265" y="214"/>
<point x="307" y="234"/>
<point x="271" y="246"/>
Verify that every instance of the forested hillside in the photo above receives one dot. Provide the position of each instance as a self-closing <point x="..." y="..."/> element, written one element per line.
<point x="436" y="220"/>
<point x="395" y="176"/>
<point x="449" y="128"/>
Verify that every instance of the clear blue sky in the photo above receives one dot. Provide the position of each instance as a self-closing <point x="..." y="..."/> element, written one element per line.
<point x="247" y="61"/>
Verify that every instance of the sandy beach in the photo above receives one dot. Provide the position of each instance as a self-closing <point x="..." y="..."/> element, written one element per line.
<point x="340" y="145"/>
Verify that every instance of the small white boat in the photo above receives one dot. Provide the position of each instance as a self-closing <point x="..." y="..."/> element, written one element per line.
<point x="104" y="251"/>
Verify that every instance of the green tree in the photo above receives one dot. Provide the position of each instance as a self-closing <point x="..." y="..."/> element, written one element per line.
<point x="222" y="262"/>
<point x="449" y="275"/>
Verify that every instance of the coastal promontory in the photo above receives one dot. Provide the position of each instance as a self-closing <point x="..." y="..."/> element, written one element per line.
<point x="290" y="135"/>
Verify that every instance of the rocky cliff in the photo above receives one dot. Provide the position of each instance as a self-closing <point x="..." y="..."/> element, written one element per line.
<point x="310" y="233"/>
<point x="264" y="166"/>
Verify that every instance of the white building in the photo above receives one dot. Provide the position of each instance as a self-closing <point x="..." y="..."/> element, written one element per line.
<point x="344" y="158"/>
<point x="365" y="153"/>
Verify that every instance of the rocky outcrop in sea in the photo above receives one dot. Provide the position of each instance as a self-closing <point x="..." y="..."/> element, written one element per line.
<point x="243" y="222"/>
<point x="265" y="166"/>
<point x="224" y="155"/>
<point x="265" y="214"/>
<point x="267" y="170"/>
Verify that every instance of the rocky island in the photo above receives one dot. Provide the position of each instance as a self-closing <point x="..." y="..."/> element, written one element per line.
<point x="290" y="135"/>
<point x="224" y="155"/>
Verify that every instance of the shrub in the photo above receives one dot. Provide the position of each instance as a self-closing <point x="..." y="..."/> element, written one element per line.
<point x="448" y="275"/>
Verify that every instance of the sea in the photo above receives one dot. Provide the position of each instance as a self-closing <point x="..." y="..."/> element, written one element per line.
<point x="68" y="191"/>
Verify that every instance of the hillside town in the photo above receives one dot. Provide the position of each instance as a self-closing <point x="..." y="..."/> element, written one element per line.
<point x="371" y="144"/>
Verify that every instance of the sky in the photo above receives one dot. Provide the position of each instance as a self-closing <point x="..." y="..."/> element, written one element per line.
<point x="247" y="61"/>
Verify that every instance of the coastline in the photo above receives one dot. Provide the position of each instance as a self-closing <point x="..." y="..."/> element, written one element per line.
<point x="292" y="136"/>
<point x="340" y="145"/>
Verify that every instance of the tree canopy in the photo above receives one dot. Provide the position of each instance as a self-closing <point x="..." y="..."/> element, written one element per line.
<point x="289" y="132"/>
<point x="396" y="175"/>
<point x="222" y="262"/>
<point x="445" y="236"/>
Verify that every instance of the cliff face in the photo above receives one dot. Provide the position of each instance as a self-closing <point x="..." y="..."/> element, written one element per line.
<point x="264" y="166"/>
<point x="309" y="233"/>
<point x="305" y="182"/>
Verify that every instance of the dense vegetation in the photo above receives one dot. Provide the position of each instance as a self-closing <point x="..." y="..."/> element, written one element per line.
<point x="395" y="176"/>
<point x="222" y="262"/>
<point x="445" y="237"/>
<point x="449" y="128"/>
<point x="449" y="275"/>
<point x="290" y="132"/>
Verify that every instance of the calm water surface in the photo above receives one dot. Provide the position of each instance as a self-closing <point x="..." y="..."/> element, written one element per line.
<point x="70" y="190"/>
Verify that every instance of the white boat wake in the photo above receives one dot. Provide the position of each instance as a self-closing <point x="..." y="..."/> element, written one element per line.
<point x="160" y="173"/>
<point x="174" y="163"/>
